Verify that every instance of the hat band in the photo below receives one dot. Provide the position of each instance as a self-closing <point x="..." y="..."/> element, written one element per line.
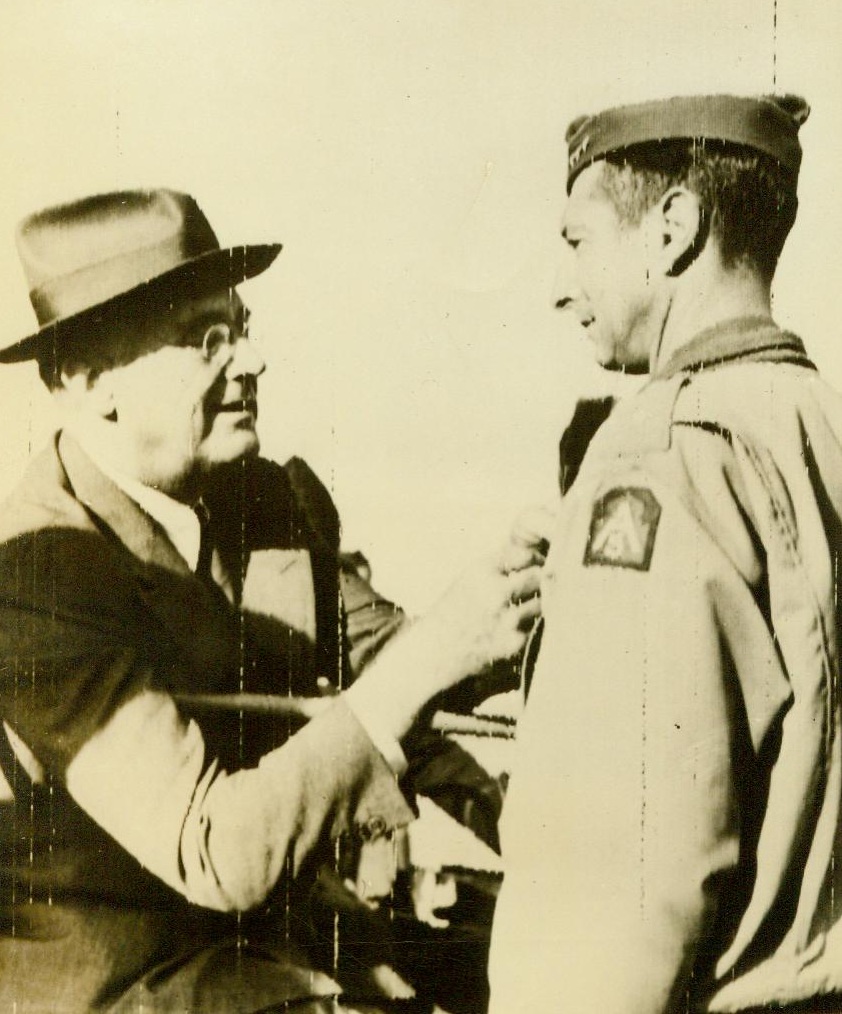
<point x="80" y="290"/>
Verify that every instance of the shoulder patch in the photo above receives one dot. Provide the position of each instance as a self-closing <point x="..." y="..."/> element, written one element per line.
<point x="623" y="528"/>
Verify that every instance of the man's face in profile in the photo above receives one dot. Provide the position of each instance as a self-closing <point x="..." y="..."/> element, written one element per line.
<point x="186" y="401"/>
<point x="608" y="280"/>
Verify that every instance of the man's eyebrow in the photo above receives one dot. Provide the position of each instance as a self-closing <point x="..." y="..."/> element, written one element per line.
<point x="240" y="316"/>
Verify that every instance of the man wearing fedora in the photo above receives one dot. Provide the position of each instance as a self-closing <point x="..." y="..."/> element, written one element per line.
<point x="673" y="827"/>
<point x="169" y="609"/>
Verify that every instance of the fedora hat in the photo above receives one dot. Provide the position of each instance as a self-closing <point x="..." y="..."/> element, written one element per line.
<point x="86" y="255"/>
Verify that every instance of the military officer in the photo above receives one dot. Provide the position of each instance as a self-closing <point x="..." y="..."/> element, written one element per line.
<point x="673" y="831"/>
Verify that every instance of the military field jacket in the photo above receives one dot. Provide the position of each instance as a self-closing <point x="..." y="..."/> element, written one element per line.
<point x="673" y="832"/>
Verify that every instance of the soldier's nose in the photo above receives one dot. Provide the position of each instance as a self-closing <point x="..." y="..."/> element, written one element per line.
<point x="577" y="306"/>
<point x="566" y="289"/>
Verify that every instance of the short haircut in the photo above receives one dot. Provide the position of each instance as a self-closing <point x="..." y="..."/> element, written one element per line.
<point x="748" y="199"/>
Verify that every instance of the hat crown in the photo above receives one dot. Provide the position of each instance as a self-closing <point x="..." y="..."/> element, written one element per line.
<point x="80" y="254"/>
<point x="65" y="239"/>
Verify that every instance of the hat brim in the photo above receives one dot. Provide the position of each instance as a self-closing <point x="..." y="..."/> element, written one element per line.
<point x="215" y="269"/>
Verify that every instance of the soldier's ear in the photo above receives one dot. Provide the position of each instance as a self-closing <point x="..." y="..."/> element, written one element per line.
<point x="682" y="228"/>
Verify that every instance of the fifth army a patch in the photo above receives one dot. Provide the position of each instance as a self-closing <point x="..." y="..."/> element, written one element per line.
<point x="623" y="528"/>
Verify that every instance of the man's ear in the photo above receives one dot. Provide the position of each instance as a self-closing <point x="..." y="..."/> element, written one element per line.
<point x="683" y="230"/>
<point x="90" y="388"/>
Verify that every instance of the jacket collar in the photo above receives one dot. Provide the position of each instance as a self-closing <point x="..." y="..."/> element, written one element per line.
<point x="139" y="533"/>
<point x="757" y="339"/>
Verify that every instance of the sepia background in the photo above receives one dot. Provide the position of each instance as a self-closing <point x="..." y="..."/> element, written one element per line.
<point x="409" y="154"/>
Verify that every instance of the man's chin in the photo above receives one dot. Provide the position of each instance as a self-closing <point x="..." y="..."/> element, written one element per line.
<point x="250" y="445"/>
<point x="609" y="358"/>
<point x="235" y="446"/>
<point x="630" y="369"/>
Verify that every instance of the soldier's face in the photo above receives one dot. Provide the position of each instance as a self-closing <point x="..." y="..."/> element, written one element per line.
<point x="184" y="410"/>
<point x="609" y="276"/>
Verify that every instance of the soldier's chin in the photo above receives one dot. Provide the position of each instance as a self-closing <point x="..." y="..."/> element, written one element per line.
<point x="609" y="358"/>
<point x="632" y="369"/>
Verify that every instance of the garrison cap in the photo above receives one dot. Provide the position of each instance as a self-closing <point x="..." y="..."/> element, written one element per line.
<point x="768" y="123"/>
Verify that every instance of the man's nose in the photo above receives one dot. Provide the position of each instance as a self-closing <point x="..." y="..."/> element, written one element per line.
<point x="566" y="302"/>
<point x="568" y="294"/>
<point x="575" y="304"/>
<point x="566" y="289"/>
<point x="245" y="360"/>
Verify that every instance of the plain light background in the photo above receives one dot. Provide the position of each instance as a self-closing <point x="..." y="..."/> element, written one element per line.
<point x="409" y="154"/>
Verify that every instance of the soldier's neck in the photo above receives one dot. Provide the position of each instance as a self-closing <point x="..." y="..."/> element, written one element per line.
<point x="709" y="299"/>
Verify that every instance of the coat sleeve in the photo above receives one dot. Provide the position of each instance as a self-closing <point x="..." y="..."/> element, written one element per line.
<point x="623" y="822"/>
<point x="85" y="686"/>
<point x="224" y="839"/>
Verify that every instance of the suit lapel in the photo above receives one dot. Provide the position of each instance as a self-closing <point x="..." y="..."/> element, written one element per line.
<point x="133" y="527"/>
<point x="191" y="613"/>
<point x="277" y="580"/>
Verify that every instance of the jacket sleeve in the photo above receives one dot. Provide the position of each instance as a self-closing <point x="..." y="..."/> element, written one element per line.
<point x="623" y="821"/>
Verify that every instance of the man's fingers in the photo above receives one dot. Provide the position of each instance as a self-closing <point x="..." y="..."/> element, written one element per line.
<point x="527" y="612"/>
<point x="534" y="526"/>
<point x="523" y="584"/>
<point x="529" y="541"/>
<point x="516" y="556"/>
<point x="522" y="619"/>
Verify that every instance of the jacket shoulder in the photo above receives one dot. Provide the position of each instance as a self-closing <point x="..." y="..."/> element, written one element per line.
<point x="754" y="399"/>
<point x="42" y="499"/>
<point x="639" y="424"/>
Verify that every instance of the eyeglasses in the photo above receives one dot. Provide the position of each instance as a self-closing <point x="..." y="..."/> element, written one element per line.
<point x="221" y="336"/>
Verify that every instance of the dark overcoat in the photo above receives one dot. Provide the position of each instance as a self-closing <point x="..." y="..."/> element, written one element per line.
<point x="98" y="611"/>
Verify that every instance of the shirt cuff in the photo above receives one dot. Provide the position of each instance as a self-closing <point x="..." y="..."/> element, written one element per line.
<point x="364" y="709"/>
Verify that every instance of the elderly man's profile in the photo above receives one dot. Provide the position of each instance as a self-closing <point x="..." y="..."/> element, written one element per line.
<point x="160" y="833"/>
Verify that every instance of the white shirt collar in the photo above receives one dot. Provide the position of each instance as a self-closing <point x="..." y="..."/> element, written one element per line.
<point x="180" y="523"/>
